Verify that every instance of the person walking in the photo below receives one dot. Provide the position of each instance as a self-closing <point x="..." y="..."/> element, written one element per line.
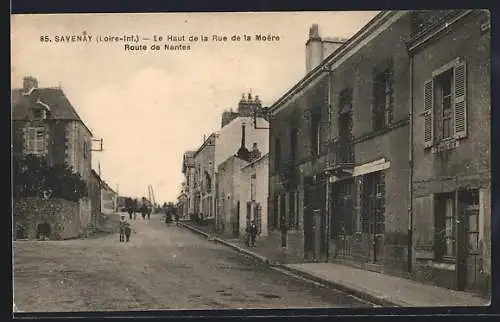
<point x="253" y="233"/>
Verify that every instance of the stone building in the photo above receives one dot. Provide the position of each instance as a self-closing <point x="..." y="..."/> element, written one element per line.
<point x="204" y="182"/>
<point x="45" y="123"/>
<point x="339" y="139"/>
<point x="450" y="54"/>
<point x="373" y="161"/>
<point x="232" y="181"/>
<point x="188" y="170"/>
<point x="254" y="191"/>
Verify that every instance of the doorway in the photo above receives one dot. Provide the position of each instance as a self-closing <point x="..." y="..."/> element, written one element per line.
<point x="315" y="242"/>
<point x="373" y="215"/>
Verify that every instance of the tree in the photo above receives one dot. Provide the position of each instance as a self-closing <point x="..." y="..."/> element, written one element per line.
<point x="33" y="177"/>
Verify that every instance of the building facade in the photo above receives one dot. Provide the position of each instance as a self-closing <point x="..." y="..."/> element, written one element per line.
<point x="188" y="169"/>
<point x="451" y="180"/>
<point x="108" y="198"/>
<point x="229" y="197"/>
<point x="339" y="184"/>
<point x="253" y="194"/>
<point x="204" y="180"/>
<point x="96" y="199"/>
<point x="257" y="132"/>
<point x="45" y="123"/>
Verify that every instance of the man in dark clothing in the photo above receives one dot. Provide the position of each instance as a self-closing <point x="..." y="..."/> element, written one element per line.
<point x="253" y="233"/>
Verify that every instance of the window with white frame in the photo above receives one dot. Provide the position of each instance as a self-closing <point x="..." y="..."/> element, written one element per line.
<point x="35" y="140"/>
<point x="445" y="105"/>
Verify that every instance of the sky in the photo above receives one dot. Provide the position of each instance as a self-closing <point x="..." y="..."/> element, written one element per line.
<point x="149" y="107"/>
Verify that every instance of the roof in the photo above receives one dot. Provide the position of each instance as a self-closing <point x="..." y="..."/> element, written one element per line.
<point x="336" y="57"/>
<point x="256" y="161"/>
<point x="187" y="159"/>
<point x="60" y="107"/>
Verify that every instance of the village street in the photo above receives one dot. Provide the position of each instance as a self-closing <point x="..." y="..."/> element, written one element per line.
<point x="162" y="267"/>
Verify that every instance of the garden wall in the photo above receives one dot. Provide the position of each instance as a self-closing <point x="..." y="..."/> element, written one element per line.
<point x="64" y="218"/>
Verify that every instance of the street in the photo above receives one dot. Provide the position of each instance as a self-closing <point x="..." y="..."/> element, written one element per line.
<point x="162" y="267"/>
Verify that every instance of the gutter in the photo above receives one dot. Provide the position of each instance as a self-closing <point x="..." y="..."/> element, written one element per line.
<point x="410" y="172"/>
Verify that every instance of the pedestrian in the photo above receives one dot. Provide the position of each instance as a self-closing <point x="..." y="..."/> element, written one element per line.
<point x="253" y="233"/>
<point x="122" y="228"/>
<point x="128" y="231"/>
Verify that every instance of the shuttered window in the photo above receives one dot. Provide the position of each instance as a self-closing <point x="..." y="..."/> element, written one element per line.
<point x="445" y="104"/>
<point x="460" y="101"/>
<point x="35" y="140"/>
<point x="428" y="113"/>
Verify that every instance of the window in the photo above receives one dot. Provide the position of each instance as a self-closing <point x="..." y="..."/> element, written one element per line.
<point x="373" y="203"/>
<point x="342" y="219"/>
<point x="445" y="226"/>
<point x="345" y="152"/>
<point x="40" y="114"/>
<point x="35" y="140"/>
<point x="293" y="146"/>
<point x="471" y="202"/>
<point x="443" y="100"/>
<point x="208" y="182"/>
<point x="277" y="154"/>
<point x="293" y="218"/>
<point x="253" y="190"/>
<point x="382" y="99"/>
<point x="448" y="223"/>
<point x="445" y="106"/>
<point x="315" y="133"/>
<point x="85" y="149"/>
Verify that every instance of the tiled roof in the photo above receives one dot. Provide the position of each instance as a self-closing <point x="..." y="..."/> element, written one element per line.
<point x="60" y="106"/>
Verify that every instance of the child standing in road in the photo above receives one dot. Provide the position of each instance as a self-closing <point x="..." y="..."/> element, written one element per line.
<point x="128" y="231"/>
<point x="122" y="228"/>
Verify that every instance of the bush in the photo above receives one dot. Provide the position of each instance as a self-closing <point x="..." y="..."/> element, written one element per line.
<point x="33" y="176"/>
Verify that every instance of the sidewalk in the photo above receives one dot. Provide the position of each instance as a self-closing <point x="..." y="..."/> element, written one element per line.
<point x="381" y="289"/>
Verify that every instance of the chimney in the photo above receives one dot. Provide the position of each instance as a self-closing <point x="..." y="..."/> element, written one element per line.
<point x="314" y="48"/>
<point x="243" y="152"/>
<point x="243" y="135"/>
<point x="29" y="82"/>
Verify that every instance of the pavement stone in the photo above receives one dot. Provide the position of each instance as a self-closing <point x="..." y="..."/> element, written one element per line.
<point x="377" y="288"/>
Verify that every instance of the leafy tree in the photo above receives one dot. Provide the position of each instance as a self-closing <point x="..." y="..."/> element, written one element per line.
<point x="33" y="177"/>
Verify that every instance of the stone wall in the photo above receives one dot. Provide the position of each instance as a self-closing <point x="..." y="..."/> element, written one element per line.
<point x="64" y="217"/>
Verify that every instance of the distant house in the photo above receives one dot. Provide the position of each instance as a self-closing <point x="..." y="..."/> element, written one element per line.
<point x="188" y="169"/>
<point x="108" y="199"/>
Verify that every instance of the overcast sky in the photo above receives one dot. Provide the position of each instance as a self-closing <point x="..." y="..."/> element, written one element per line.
<point x="150" y="107"/>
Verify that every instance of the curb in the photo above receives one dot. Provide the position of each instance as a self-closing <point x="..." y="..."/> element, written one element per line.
<point x="226" y="243"/>
<point x="346" y="289"/>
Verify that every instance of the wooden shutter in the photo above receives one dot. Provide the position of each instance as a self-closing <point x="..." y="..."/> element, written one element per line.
<point x="460" y="103"/>
<point x="423" y="219"/>
<point x="428" y="113"/>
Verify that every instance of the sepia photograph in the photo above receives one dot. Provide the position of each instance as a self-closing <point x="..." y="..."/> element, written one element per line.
<point x="251" y="160"/>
